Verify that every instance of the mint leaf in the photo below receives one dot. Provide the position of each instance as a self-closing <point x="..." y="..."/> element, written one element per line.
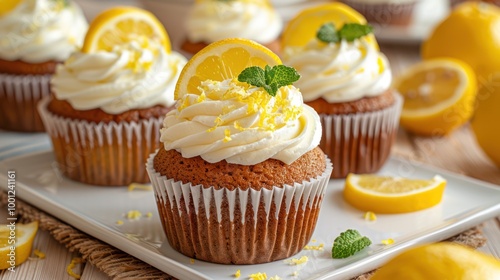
<point x="353" y="31"/>
<point x="349" y="32"/>
<point x="348" y="243"/>
<point x="327" y="33"/>
<point x="270" y="79"/>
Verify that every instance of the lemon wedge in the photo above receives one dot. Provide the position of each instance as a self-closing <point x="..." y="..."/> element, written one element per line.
<point x="443" y="260"/>
<point x="438" y="96"/>
<point x="18" y="237"/>
<point x="389" y="195"/>
<point x="120" y="25"/>
<point x="302" y="28"/>
<point x="222" y="60"/>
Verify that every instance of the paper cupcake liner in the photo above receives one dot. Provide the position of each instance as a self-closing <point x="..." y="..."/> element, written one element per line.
<point x="400" y="13"/>
<point x="360" y="143"/>
<point x="19" y="95"/>
<point x="107" y="154"/>
<point x="239" y="226"/>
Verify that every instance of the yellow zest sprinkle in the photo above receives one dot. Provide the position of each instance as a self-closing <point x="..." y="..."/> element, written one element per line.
<point x="136" y="186"/>
<point x="388" y="241"/>
<point x="201" y="98"/>
<point x="69" y="268"/>
<point x="314" y="240"/>
<point x="370" y="216"/>
<point x="149" y="215"/>
<point x="258" y="276"/>
<point x="295" y="273"/>
<point x="133" y="215"/>
<point x="315" y="247"/>
<point x="276" y="277"/>
<point x="227" y="135"/>
<point x="237" y="274"/>
<point x="295" y="261"/>
<point x="191" y="261"/>
<point x="39" y="254"/>
<point x="119" y="222"/>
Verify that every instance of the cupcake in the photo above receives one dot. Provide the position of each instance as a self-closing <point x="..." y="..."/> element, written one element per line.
<point x="213" y="20"/>
<point x="347" y="81"/>
<point x="239" y="178"/>
<point x="108" y="105"/>
<point x="36" y="36"/>
<point x="385" y="12"/>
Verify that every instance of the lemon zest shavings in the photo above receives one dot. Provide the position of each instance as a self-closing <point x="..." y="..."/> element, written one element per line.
<point x="275" y="277"/>
<point x="258" y="276"/>
<point x="71" y="265"/>
<point x="134" y="215"/>
<point x="191" y="261"/>
<point x="237" y="274"/>
<point x="319" y="247"/>
<point x="119" y="222"/>
<point x="39" y="254"/>
<point x="149" y="215"/>
<point x="295" y="273"/>
<point x="137" y="186"/>
<point x="298" y="261"/>
<point x="370" y="216"/>
<point x="388" y="241"/>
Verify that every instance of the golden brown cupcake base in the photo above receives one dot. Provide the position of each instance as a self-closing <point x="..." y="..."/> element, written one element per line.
<point x="100" y="153"/>
<point x="226" y="175"/>
<point x="233" y="225"/>
<point x="194" y="47"/>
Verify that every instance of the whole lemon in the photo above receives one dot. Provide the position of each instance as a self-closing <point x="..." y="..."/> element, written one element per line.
<point x="471" y="33"/>
<point x="487" y="117"/>
<point x="444" y="260"/>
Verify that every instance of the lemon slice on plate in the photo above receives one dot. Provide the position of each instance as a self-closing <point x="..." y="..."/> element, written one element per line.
<point x="438" y="96"/>
<point x="120" y="25"/>
<point x="303" y="27"/>
<point x="24" y="235"/>
<point x="222" y="60"/>
<point x="386" y="194"/>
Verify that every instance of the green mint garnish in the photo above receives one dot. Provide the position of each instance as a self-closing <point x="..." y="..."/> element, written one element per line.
<point x="349" y="32"/>
<point x="348" y="243"/>
<point x="270" y="79"/>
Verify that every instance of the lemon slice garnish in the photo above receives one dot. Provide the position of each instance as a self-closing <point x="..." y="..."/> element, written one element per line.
<point x="120" y="25"/>
<point x="386" y="194"/>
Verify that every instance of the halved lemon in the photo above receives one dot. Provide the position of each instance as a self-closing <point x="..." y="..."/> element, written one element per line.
<point x="222" y="60"/>
<point x="8" y="5"/>
<point x="438" y="96"/>
<point x="389" y="195"/>
<point x="302" y="28"/>
<point x="21" y="238"/>
<point x="120" y="25"/>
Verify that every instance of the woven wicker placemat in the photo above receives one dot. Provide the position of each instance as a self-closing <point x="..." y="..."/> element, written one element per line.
<point x="120" y="265"/>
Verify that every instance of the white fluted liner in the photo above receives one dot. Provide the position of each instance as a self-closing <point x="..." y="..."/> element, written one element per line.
<point x="19" y="95"/>
<point x="360" y="143"/>
<point x="201" y="207"/>
<point x="108" y="154"/>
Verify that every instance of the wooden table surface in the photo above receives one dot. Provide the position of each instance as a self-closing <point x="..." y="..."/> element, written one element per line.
<point x="457" y="152"/>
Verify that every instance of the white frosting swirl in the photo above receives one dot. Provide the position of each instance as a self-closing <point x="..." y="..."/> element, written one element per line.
<point x="242" y="125"/>
<point x="210" y="21"/>
<point x="132" y="76"/>
<point x="340" y="72"/>
<point x="41" y="30"/>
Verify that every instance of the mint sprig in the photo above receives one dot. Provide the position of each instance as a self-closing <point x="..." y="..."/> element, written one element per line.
<point x="348" y="243"/>
<point x="350" y="31"/>
<point x="270" y="79"/>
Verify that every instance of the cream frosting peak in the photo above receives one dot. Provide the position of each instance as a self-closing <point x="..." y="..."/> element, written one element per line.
<point x="41" y="30"/>
<point x="210" y="21"/>
<point x="241" y="124"/>
<point x="132" y="76"/>
<point x="339" y="72"/>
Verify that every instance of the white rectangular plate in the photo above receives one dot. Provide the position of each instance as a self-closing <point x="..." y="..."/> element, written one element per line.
<point x="96" y="210"/>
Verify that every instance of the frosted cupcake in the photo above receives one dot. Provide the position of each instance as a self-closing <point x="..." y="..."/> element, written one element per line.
<point x="36" y="36"/>
<point x="238" y="167"/>
<point x="108" y="106"/>
<point x="213" y="20"/>
<point x="347" y="80"/>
